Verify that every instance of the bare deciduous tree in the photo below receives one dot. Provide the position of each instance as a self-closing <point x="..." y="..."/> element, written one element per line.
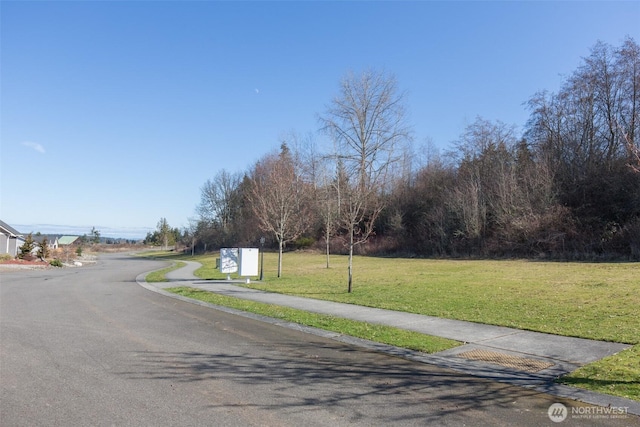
<point x="634" y="153"/>
<point x="277" y="198"/>
<point x="366" y="121"/>
<point x="628" y="62"/>
<point x="328" y="203"/>
<point x="587" y="136"/>
<point x="191" y="234"/>
<point x="217" y="198"/>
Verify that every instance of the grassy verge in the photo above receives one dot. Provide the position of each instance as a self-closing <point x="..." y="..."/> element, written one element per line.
<point x="588" y="300"/>
<point x="159" y="275"/>
<point x="618" y="375"/>
<point x="377" y="333"/>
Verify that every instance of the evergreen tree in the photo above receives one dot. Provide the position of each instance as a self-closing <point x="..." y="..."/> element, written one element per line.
<point x="95" y="235"/>
<point x="43" y="249"/>
<point x="27" y="247"/>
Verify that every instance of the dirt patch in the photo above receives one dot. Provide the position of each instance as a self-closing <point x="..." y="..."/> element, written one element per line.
<point x="18" y="264"/>
<point x="21" y="264"/>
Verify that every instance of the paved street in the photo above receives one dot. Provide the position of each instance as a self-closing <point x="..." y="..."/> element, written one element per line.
<point x="88" y="346"/>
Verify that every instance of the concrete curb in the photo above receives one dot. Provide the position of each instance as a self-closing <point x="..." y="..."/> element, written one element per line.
<point x="443" y="359"/>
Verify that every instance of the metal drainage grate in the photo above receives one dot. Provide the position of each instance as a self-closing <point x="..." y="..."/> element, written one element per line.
<point x="520" y="363"/>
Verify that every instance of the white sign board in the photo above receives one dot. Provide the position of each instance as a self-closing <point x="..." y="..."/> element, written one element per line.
<point x="228" y="260"/>
<point x="248" y="262"/>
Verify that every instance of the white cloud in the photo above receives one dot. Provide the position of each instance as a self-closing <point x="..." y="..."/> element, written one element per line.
<point x="35" y="146"/>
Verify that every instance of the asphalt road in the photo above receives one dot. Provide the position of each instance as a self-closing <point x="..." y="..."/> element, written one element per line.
<point x="88" y="346"/>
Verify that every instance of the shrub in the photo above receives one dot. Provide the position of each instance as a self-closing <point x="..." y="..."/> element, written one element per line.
<point x="5" y="257"/>
<point x="304" y="242"/>
<point x="55" y="263"/>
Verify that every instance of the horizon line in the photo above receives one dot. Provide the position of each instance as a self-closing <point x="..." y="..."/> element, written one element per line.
<point x="76" y="230"/>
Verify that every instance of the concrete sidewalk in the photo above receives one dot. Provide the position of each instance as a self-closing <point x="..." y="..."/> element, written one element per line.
<point x="529" y="359"/>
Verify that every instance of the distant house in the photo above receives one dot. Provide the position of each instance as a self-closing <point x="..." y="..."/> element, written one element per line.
<point x="52" y="240"/>
<point x="10" y="239"/>
<point x="68" y="240"/>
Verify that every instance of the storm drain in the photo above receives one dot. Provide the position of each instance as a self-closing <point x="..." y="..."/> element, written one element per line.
<point x="515" y="362"/>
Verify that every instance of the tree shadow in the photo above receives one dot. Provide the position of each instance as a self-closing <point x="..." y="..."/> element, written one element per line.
<point x="590" y="383"/>
<point x="310" y="376"/>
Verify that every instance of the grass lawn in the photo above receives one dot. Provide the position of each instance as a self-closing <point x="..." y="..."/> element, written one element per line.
<point x="378" y="333"/>
<point x="618" y="375"/>
<point x="159" y="275"/>
<point x="588" y="300"/>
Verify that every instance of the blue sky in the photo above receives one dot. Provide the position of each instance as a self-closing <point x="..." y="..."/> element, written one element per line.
<point x="114" y="114"/>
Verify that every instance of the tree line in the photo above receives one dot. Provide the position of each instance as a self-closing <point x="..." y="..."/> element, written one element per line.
<point x="164" y="235"/>
<point x="567" y="187"/>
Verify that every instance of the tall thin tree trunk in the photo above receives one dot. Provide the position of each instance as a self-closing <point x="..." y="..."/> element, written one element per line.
<point x="350" y="261"/>
<point x="279" y="257"/>
<point x="327" y="229"/>
<point x="328" y="241"/>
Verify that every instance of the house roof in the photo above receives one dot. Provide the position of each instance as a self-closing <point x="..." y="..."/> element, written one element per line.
<point x="50" y="237"/>
<point x="7" y="229"/>
<point x="67" y="240"/>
